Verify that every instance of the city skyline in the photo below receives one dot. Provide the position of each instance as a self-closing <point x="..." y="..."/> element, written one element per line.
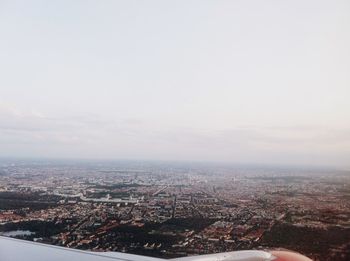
<point x="172" y="210"/>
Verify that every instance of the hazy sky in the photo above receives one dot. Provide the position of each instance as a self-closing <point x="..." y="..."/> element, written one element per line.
<point x="238" y="81"/>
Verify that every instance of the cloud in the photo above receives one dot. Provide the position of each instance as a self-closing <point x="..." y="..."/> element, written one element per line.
<point x="31" y="133"/>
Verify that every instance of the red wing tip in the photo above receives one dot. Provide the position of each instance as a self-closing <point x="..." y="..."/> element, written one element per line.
<point x="289" y="256"/>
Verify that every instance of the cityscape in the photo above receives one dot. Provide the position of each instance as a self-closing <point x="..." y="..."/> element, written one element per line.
<point x="175" y="130"/>
<point x="175" y="209"/>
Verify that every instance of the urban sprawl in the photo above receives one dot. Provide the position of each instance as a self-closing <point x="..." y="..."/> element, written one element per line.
<point x="176" y="209"/>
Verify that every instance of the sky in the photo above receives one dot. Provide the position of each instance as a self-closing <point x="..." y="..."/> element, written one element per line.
<point x="246" y="81"/>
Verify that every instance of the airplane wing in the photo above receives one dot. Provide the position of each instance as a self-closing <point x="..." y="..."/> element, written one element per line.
<point x="20" y="250"/>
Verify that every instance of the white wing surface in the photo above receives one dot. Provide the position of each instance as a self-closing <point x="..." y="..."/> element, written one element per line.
<point x="20" y="250"/>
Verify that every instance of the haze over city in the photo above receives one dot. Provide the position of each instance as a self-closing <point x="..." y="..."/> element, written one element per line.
<point x="234" y="81"/>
